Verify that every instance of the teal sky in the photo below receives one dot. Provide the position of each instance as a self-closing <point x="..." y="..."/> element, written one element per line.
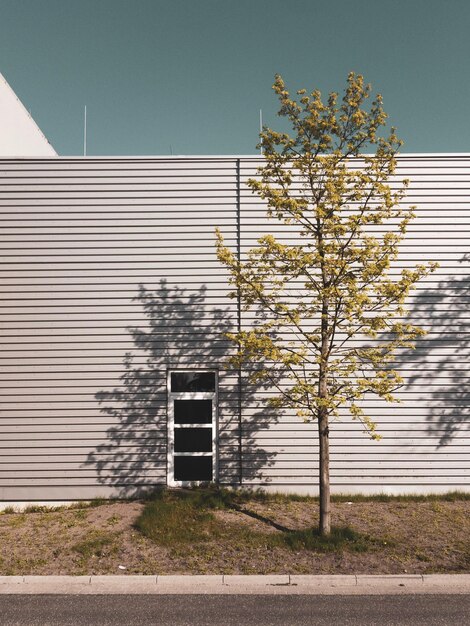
<point x="189" y="76"/>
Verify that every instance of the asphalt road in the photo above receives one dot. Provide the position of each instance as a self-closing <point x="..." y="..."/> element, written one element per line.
<point x="228" y="610"/>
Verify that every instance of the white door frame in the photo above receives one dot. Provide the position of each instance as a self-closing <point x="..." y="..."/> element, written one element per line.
<point x="190" y="395"/>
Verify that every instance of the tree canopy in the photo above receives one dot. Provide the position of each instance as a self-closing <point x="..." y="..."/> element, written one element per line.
<point x="329" y="295"/>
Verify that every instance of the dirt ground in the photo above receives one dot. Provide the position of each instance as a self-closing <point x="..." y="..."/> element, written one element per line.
<point x="405" y="537"/>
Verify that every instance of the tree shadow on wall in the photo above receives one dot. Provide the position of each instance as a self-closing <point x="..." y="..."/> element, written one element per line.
<point x="440" y="361"/>
<point x="182" y="330"/>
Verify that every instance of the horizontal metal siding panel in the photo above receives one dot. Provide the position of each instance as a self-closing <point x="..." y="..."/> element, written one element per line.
<point x="131" y="223"/>
<point x="426" y="440"/>
<point x="135" y="206"/>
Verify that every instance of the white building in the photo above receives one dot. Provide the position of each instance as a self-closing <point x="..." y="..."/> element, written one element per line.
<point x="113" y="313"/>
<point x="20" y="135"/>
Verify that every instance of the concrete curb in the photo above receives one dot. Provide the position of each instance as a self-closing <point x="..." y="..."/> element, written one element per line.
<point x="237" y="584"/>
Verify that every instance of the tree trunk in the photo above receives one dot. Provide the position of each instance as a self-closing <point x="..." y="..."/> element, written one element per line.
<point x="323" y="430"/>
<point x="323" y="409"/>
<point x="324" y="478"/>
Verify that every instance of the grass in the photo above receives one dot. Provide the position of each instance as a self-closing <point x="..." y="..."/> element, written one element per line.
<point x="8" y="510"/>
<point x="173" y="518"/>
<point x="45" y="508"/>
<point x="225" y="498"/>
<point x="450" y="496"/>
<point x="230" y="531"/>
<point x="341" y="538"/>
<point x="98" y="544"/>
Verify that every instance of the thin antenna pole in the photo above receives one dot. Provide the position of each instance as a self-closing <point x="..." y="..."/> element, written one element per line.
<point x="84" y="133"/>
<point x="261" y="127"/>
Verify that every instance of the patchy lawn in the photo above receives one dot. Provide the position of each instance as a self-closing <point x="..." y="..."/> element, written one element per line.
<point x="213" y="532"/>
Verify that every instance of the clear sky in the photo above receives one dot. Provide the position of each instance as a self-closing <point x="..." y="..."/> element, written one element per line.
<point x="189" y="76"/>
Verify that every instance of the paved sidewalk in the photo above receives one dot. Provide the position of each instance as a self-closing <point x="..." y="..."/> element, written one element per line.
<point x="233" y="584"/>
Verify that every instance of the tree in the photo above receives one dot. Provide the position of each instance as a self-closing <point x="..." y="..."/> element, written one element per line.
<point x="329" y="299"/>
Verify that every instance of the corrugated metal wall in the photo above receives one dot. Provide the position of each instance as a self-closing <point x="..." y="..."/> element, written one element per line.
<point x="109" y="277"/>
